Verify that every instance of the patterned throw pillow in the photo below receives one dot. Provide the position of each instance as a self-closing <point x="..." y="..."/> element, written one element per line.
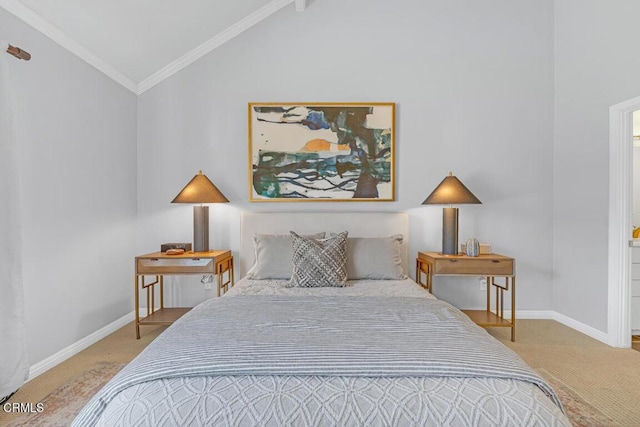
<point x="319" y="262"/>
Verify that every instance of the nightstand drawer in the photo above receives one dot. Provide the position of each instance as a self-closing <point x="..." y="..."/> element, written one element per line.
<point x="479" y="266"/>
<point x="175" y="265"/>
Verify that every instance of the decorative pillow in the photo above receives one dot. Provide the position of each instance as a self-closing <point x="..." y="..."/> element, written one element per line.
<point x="273" y="254"/>
<point x="319" y="263"/>
<point x="378" y="258"/>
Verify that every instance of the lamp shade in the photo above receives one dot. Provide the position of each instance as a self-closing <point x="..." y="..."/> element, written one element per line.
<point x="451" y="192"/>
<point x="200" y="190"/>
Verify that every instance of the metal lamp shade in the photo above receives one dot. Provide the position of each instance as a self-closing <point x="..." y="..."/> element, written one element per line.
<point x="449" y="192"/>
<point x="200" y="190"/>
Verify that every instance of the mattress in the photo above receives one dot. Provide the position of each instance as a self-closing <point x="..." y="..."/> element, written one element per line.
<point x="371" y="353"/>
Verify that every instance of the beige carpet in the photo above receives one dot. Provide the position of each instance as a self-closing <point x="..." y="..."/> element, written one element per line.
<point x="92" y="367"/>
<point x="599" y="385"/>
<point x="607" y="378"/>
<point x="63" y="403"/>
<point x="580" y="412"/>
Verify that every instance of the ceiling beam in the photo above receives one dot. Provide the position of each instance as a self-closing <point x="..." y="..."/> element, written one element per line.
<point x="301" y="5"/>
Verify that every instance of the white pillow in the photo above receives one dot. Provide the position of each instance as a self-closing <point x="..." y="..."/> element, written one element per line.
<point x="378" y="258"/>
<point x="273" y="254"/>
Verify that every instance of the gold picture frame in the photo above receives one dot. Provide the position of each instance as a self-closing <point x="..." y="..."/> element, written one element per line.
<point x="320" y="152"/>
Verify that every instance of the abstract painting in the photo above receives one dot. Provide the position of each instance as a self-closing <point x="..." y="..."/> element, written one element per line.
<point x="321" y="152"/>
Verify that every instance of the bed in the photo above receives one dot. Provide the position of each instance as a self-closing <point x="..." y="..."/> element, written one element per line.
<point x="375" y="350"/>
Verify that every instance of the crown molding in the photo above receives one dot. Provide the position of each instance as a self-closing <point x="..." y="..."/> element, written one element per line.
<point x="213" y="43"/>
<point x="301" y="5"/>
<point x="30" y="17"/>
<point x="54" y="33"/>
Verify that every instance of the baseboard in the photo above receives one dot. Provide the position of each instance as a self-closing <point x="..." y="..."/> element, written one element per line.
<point x="581" y="327"/>
<point x="561" y="318"/>
<point x="532" y="314"/>
<point x="78" y="346"/>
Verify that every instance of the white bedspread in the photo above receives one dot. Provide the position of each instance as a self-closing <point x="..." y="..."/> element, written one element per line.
<point x="381" y="375"/>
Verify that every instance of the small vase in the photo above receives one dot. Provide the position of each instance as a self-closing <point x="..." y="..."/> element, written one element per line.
<point x="473" y="247"/>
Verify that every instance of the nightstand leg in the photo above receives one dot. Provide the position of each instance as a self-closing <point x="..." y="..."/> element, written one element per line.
<point x="219" y="284"/>
<point x="488" y="293"/>
<point x="513" y="308"/>
<point x="221" y="269"/>
<point x="233" y="279"/>
<point x="137" y="302"/>
<point x="432" y="269"/>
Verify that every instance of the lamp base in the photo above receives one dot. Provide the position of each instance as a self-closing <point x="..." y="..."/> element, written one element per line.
<point x="201" y="228"/>
<point x="450" y="231"/>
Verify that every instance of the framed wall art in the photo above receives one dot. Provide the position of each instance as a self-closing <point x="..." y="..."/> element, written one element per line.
<point x="321" y="152"/>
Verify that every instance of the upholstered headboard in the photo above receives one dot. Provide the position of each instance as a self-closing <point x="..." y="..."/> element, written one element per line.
<point x="358" y="224"/>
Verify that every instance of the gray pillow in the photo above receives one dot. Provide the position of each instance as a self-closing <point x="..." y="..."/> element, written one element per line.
<point x="319" y="262"/>
<point x="378" y="258"/>
<point x="273" y="254"/>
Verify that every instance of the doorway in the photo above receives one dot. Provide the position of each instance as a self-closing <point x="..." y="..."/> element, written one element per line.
<point x="620" y="221"/>
<point x="635" y="244"/>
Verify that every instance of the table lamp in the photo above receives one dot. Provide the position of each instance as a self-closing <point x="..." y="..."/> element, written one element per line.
<point x="200" y="190"/>
<point x="449" y="192"/>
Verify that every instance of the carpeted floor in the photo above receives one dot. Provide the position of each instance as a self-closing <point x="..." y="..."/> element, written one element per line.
<point x="580" y="412"/>
<point x="63" y="404"/>
<point x="76" y="376"/>
<point x="606" y="378"/>
<point x="598" y="385"/>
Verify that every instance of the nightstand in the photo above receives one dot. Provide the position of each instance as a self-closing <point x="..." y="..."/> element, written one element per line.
<point x="159" y="264"/>
<point x="491" y="266"/>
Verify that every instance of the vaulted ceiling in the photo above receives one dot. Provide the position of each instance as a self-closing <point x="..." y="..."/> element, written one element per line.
<point x="139" y="43"/>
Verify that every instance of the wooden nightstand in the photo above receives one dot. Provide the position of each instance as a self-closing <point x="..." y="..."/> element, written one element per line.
<point x="491" y="266"/>
<point x="159" y="264"/>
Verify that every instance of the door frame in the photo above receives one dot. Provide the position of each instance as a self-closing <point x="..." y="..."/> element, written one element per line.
<point x="620" y="207"/>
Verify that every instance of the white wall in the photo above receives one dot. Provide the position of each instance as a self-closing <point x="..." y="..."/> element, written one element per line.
<point x="595" y="67"/>
<point x="77" y="132"/>
<point x="473" y="83"/>
<point x="478" y="87"/>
